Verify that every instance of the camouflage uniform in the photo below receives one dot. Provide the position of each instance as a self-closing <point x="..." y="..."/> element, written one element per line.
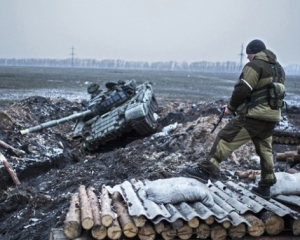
<point x="251" y="123"/>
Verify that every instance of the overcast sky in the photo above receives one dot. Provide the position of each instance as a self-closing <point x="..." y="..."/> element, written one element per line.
<point x="148" y="30"/>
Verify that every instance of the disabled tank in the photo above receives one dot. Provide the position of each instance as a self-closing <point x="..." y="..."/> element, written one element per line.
<point x="122" y="107"/>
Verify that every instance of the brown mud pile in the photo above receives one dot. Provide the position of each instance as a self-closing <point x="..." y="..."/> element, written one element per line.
<point x="54" y="166"/>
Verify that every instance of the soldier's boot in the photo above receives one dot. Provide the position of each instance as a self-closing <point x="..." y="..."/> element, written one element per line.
<point x="197" y="173"/>
<point x="263" y="192"/>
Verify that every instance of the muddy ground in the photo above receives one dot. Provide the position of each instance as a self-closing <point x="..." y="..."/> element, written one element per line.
<point x="50" y="171"/>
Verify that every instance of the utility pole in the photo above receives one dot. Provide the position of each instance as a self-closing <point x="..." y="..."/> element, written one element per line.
<point x="72" y="54"/>
<point x="241" y="55"/>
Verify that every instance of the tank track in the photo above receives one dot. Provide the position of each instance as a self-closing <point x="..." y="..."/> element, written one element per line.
<point x="282" y="137"/>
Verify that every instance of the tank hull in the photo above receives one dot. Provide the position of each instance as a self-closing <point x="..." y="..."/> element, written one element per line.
<point x="135" y="113"/>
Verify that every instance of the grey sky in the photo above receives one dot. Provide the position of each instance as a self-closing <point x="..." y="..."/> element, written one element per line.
<point x="148" y="30"/>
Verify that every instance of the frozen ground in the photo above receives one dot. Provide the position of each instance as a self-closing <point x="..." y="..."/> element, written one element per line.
<point x="49" y="173"/>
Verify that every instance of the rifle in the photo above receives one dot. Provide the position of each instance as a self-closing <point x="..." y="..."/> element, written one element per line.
<point x="220" y="119"/>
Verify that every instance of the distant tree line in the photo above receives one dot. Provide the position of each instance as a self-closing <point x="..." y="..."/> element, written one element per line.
<point x="203" y="66"/>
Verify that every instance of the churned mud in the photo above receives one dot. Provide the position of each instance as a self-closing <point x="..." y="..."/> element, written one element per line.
<point x="51" y="165"/>
<point x="50" y="170"/>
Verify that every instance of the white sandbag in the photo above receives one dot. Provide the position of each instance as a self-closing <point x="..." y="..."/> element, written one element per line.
<point x="287" y="184"/>
<point x="176" y="190"/>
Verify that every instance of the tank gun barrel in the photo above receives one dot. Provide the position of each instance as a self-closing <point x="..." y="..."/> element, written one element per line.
<point x="56" y="122"/>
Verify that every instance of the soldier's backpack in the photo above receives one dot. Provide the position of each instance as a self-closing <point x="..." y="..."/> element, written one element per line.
<point x="272" y="93"/>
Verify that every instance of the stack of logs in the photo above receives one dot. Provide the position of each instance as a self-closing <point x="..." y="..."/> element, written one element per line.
<point x="108" y="218"/>
<point x="286" y="137"/>
<point x="86" y="212"/>
<point x="291" y="157"/>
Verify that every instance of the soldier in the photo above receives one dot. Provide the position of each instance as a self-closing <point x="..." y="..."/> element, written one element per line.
<point x="256" y="117"/>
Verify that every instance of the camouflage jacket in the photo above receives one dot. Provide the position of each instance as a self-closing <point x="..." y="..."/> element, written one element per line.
<point x="255" y="75"/>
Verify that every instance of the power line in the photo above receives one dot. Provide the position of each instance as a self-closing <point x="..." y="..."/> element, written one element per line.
<point x="72" y="54"/>
<point x="241" y="55"/>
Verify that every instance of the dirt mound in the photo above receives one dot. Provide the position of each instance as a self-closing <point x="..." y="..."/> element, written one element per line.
<point x="51" y="170"/>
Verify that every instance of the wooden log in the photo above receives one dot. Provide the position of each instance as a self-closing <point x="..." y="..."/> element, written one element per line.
<point x="139" y="221"/>
<point x="16" y="151"/>
<point x="290" y="154"/>
<point x="218" y="232"/>
<point x="293" y="224"/>
<point x="9" y="169"/>
<point x="257" y="227"/>
<point x="98" y="230"/>
<point x="234" y="158"/>
<point x="107" y="215"/>
<point x="126" y="222"/>
<point x="85" y="235"/>
<point x="289" y="160"/>
<point x="159" y="227"/>
<point x="210" y="220"/>
<point x="203" y="231"/>
<point x="168" y="233"/>
<point x="296" y="158"/>
<point x="185" y="232"/>
<point x="114" y="231"/>
<point x="281" y="157"/>
<point x="177" y="224"/>
<point x="253" y="174"/>
<point x="281" y="140"/>
<point x="273" y="223"/>
<point x="237" y="232"/>
<point x="87" y="221"/>
<point x="242" y="174"/>
<point x="72" y="226"/>
<point x="275" y="139"/>
<point x="289" y="157"/>
<point x="292" y="141"/>
<point x="194" y="222"/>
<point x="226" y="224"/>
<point x="147" y="232"/>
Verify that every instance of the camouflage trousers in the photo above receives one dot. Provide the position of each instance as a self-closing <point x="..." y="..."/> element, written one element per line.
<point x="236" y="133"/>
